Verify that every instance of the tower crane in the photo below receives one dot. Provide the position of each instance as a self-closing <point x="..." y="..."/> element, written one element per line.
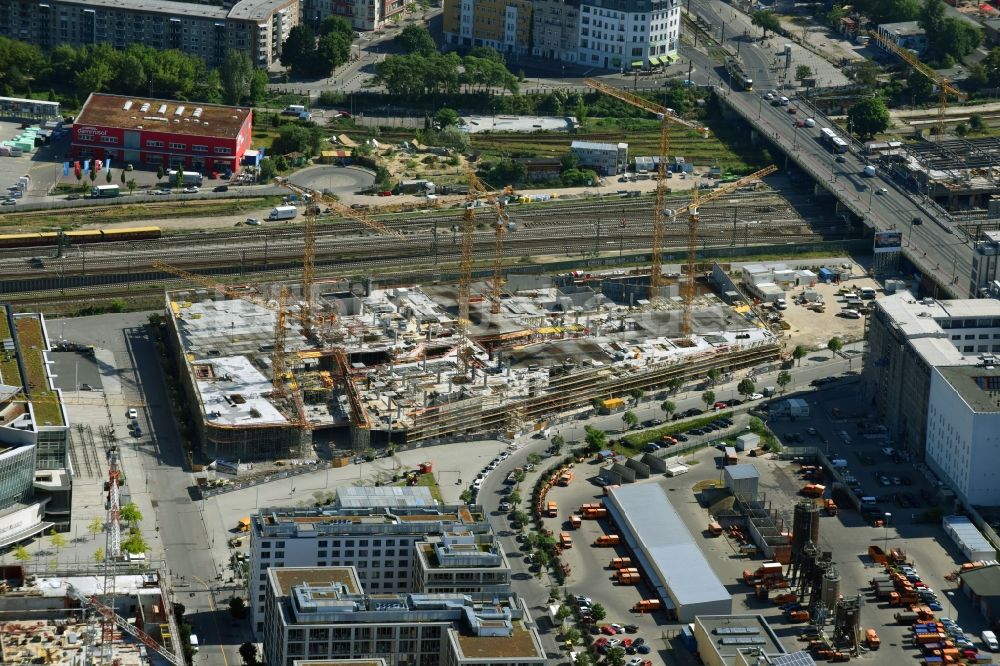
<point x="465" y="275"/>
<point x="501" y="227"/>
<point x="691" y="208"/>
<point x="945" y="88"/>
<point x="667" y="118"/>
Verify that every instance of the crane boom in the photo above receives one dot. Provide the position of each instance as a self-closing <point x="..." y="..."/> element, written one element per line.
<point x="500" y="229"/>
<point x="660" y="111"/>
<point x="945" y="88"/>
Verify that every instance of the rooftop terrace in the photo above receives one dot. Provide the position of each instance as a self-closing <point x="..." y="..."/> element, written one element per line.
<point x="44" y="400"/>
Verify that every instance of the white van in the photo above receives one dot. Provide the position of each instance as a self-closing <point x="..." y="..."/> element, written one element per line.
<point x="194" y="642"/>
<point x="990" y="639"/>
<point x="867" y="293"/>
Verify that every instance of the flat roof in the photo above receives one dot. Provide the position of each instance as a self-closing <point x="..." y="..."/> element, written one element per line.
<point x="354" y="497"/>
<point x="983" y="581"/>
<point x="339" y="662"/>
<point x="214" y="120"/>
<point x="520" y="643"/>
<point x="743" y="471"/>
<point x="975" y="384"/>
<point x="680" y="564"/>
<point x="256" y="10"/>
<point x="286" y="578"/>
<point x="733" y="633"/>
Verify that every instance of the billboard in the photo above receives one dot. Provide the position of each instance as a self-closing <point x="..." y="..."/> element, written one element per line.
<point x="888" y="241"/>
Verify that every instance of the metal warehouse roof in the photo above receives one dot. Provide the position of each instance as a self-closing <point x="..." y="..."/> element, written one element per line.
<point x="658" y="529"/>
<point x="743" y="471"/>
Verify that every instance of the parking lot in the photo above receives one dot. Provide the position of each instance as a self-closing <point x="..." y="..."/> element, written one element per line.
<point x="888" y="477"/>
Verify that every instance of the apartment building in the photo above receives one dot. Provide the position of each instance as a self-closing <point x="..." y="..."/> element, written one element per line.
<point x="362" y="14"/>
<point x="256" y="27"/>
<point x="378" y="540"/>
<point x="605" y="158"/>
<point x="461" y="563"/>
<point x="623" y="34"/>
<point x="323" y="613"/>
<point x="506" y="25"/>
<point x="908" y="339"/>
<point x="608" y="34"/>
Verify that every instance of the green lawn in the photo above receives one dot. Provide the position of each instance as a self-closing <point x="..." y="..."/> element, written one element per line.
<point x="44" y="400"/>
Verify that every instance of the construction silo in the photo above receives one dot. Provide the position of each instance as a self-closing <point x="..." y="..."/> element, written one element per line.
<point x="805" y="526"/>
<point x="830" y="591"/>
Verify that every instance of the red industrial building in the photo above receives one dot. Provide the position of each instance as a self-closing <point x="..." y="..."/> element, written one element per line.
<point x="155" y="132"/>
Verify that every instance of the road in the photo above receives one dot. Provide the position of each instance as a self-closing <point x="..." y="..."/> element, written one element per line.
<point x="933" y="246"/>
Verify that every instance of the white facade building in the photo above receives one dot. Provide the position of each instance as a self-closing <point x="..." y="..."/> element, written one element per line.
<point x="606" y="158"/>
<point x="623" y="35"/>
<point x="963" y="430"/>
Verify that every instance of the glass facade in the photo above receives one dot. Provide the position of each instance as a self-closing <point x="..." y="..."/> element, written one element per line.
<point x="17" y="467"/>
<point x="52" y="449"/>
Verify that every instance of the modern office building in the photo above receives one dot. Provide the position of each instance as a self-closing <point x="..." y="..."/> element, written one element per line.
<point x="256" y="27"/>
<point x="379" y="541"/>
<point x="323" y="613"/>
<point x="156" y="132"/>
<point x="742" y="640"/>
<point x="461" y="563"/>
<point x="35" y="487"/>
<point x="607" y="159"/>
<point x="963" y="429"/>
<point x="907" y="338"/>
<point x="607" y="34"/>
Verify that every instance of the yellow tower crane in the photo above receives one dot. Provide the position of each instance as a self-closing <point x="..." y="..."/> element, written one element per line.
<point x="667" y="117"/>
<point x="501" y="227"/>
<point x="944" y="87"/>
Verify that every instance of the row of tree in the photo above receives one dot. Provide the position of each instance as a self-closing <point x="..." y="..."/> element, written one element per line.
<point x="136" y="70"/>
<point x="310" y="53"/>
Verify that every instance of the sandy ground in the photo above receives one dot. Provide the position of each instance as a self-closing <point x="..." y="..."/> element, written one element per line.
<point x="814" y="329"/>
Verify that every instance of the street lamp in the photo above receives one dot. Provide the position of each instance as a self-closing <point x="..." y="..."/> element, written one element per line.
<point x="885" y="541"/>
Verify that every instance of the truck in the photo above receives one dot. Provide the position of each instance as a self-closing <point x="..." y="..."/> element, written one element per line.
<point x="565" y="478"/>
<point x="737" y="76"/>
<point x="906" y="618"/>
<point x="607" y="540"/>
<point x="628" y="576"/>
<point x="565" y="541"/>
<point x="104" y="191"/>
<point x="730" y="456"/>
<point x="872" y="639"/>
<point x="647" y="605"/>
<point x="188" y="178"/>
<point x="813" y="490"/>
<point x="283" y="213"/>
<point x="621" y="562"/>
<point x="552" y="509"/>
<point x="294" y="110"/>
<point x="575" y="522"/>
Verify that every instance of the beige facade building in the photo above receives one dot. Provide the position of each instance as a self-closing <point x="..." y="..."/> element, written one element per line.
<point x="461" y="563"/>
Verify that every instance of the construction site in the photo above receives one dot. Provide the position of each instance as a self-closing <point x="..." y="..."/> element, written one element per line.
<point x="82" y="617"/>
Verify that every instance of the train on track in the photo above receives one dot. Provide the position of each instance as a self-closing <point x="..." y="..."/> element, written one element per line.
<point x="47" y="238"/>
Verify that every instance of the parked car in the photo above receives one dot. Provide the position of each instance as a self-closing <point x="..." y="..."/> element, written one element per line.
<point x="191" y="190"/>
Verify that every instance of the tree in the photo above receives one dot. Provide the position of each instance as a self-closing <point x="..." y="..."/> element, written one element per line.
<point x="708" y="397"/>
<point x="866" y="73"/>
<point x="267" y="170"/>
<point x="668" y="408"/>
<point x="258" y="86"/>
<point x="564" y="612"/>
<point x="299" y="49"/>
<point x="514" y="497"/>
<point x="416" y="39"/>
<point x="237" y="607"/>
<point x="583" y="659"/>
<point x="598" y="612"/>
<point x="446" y="117"/>
<point x="107" y="176"/>
<point x="332" y="51"/>
<point x="122" y="176"/>
<point x="534" y="458"/>
<point x="630" y="419"/>
<point x="597" y="403"/>
<point x="799" y="353"/>
<point x="676" y="384"/>
<point x="766" y="20"/>
<point x="542" y="558"/>
<point x="98" y="555"/>
<point x="21" y="554"/>
<point x="519" y="519"/>
<point x="835" y="345"/>
<point x="976" y="122"/>
<point x="616" y="656"/>
<point x="131" y="184"/>
<point x="234" y="75"/>
<point x="248" y="652"/>
<point x="636" y="395"/>
<point x="135" y="543"/>
<point x="572" y="634"/>
<point x="160" y="172"/>
<point x="803" y="72"/>
<point x="713" y="376"/>
<point x="919" y="86"/>
<point x="784" y="379"/>
<point x="93" y="175"/>
<point x="130" y="513"/>
<point x="868" y="117"/>
<point x="558" y="441"/>
<point x="746" y="387"/>
<point x="336" y="24"/>
<point x="179" y="177"/>
<point x="596" y="439"/>
<point x="58" y="540"/>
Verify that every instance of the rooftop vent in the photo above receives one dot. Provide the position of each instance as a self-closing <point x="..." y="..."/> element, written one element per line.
<point x="144" y="108"/>
<point x="179" y="110"/>
<point x="163" y="109"/>
<point x="127" y="106"/>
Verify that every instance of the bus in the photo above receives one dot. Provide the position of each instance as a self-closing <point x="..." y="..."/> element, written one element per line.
<point x="830" y="139"/>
